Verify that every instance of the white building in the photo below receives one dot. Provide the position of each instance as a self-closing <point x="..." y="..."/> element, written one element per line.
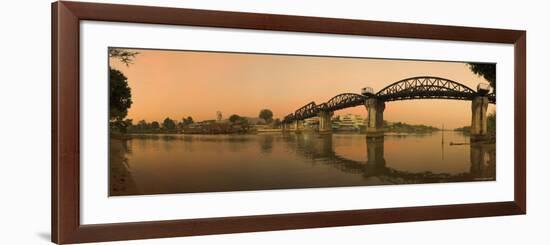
<point x="349" y="122"/>
<point x="311" y="121"/>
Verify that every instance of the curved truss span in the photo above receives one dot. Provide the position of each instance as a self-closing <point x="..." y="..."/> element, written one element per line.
<point x="342" y="101"/>
<point x="422" y="87"/>
<point x="337" y="102"/>
<point x="289" y="118"/>
<point x="307" y="111"/>
<point x="425" y="88"/>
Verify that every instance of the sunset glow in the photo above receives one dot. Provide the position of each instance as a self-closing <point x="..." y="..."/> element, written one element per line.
<point x="178" y="84"/>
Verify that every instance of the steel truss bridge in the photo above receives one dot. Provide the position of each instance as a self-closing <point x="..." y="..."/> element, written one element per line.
<point x="422" y="87"/>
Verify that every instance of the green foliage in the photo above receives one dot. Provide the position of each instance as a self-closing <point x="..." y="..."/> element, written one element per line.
<point x="487" y="71"/>
<point x="267" y="115"/>
<point x="118" y="126"/>
<point x="465" y="129"/>
<point x="121" y="126"/>
<point x="408" y="128"/>
<point x="234" y="118"/>
<point x="168" y="124"/>
<point x="187" y="121"/>
<point x="277" y="123"/>
<point x="129" y="122"/>
<point x="120" y="95"/>
<point x="142" y="125"/>
<point x="243" y="121"/>
<point x="155" y="125"/>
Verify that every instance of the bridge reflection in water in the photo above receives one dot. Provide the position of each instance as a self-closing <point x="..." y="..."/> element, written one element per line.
<point x="162" y="164"/>
<point x="482" y="161"/>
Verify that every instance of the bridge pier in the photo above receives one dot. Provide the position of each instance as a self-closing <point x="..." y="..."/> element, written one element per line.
<point x="375" y="119"/>
<point x="325" y="124"/>
<point x="285" y="127"/>
<point x="478" y="128"/>
<point x="298" y="126"/>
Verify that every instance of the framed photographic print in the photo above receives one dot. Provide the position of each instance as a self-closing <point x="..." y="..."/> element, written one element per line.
<point x="177" y="122"/>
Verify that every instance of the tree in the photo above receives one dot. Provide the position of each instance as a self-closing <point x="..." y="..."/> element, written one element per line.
<point x="244" y="122"/>
<point x="142" y="124"/>
<point x="129" y="123"/>
<point x="267" y="115"/>
<point x="187" y="121"/>
<point x="120" y="95"/>
<point x="234" y="118"/>
<point x="277" y="123"/>
<point x="123" y="55"/>
<point x="155" y="125"/>
<point x="487" y="71"/>
<point x="168" y="123"/>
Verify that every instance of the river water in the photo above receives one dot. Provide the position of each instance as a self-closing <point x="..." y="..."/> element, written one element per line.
<point x="161" y="164"/>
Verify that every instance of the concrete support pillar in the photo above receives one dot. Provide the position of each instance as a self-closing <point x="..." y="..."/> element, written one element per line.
<point x="375" y="119"/>
<point x="478" y="128"/>
<point x="298" y="126"/>
<point x="284" y="127"/>
<point x="325" y="124"/>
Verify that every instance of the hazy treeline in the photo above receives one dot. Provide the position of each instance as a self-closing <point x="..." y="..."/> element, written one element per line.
<point x="491" y="125"/>
<point x="408" y="128"/>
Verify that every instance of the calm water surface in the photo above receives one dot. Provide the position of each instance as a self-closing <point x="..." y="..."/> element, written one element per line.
<point x="158" y="164"/>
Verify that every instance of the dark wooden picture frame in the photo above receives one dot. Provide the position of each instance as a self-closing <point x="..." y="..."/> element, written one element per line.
<point x="66" y="17"/>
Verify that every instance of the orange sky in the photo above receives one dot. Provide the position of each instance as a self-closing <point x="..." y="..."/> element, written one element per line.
<point x="183" y="83"/>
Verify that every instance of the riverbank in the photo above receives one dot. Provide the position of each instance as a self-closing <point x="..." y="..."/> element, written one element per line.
<point x="159" y="135"/>
<point x="120" y="177"/>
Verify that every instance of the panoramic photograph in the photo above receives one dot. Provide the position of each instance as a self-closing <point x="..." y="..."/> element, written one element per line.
<point x="183" y="121"/>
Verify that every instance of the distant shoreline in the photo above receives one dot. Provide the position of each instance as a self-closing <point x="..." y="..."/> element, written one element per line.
<point x="173" y="134"/>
